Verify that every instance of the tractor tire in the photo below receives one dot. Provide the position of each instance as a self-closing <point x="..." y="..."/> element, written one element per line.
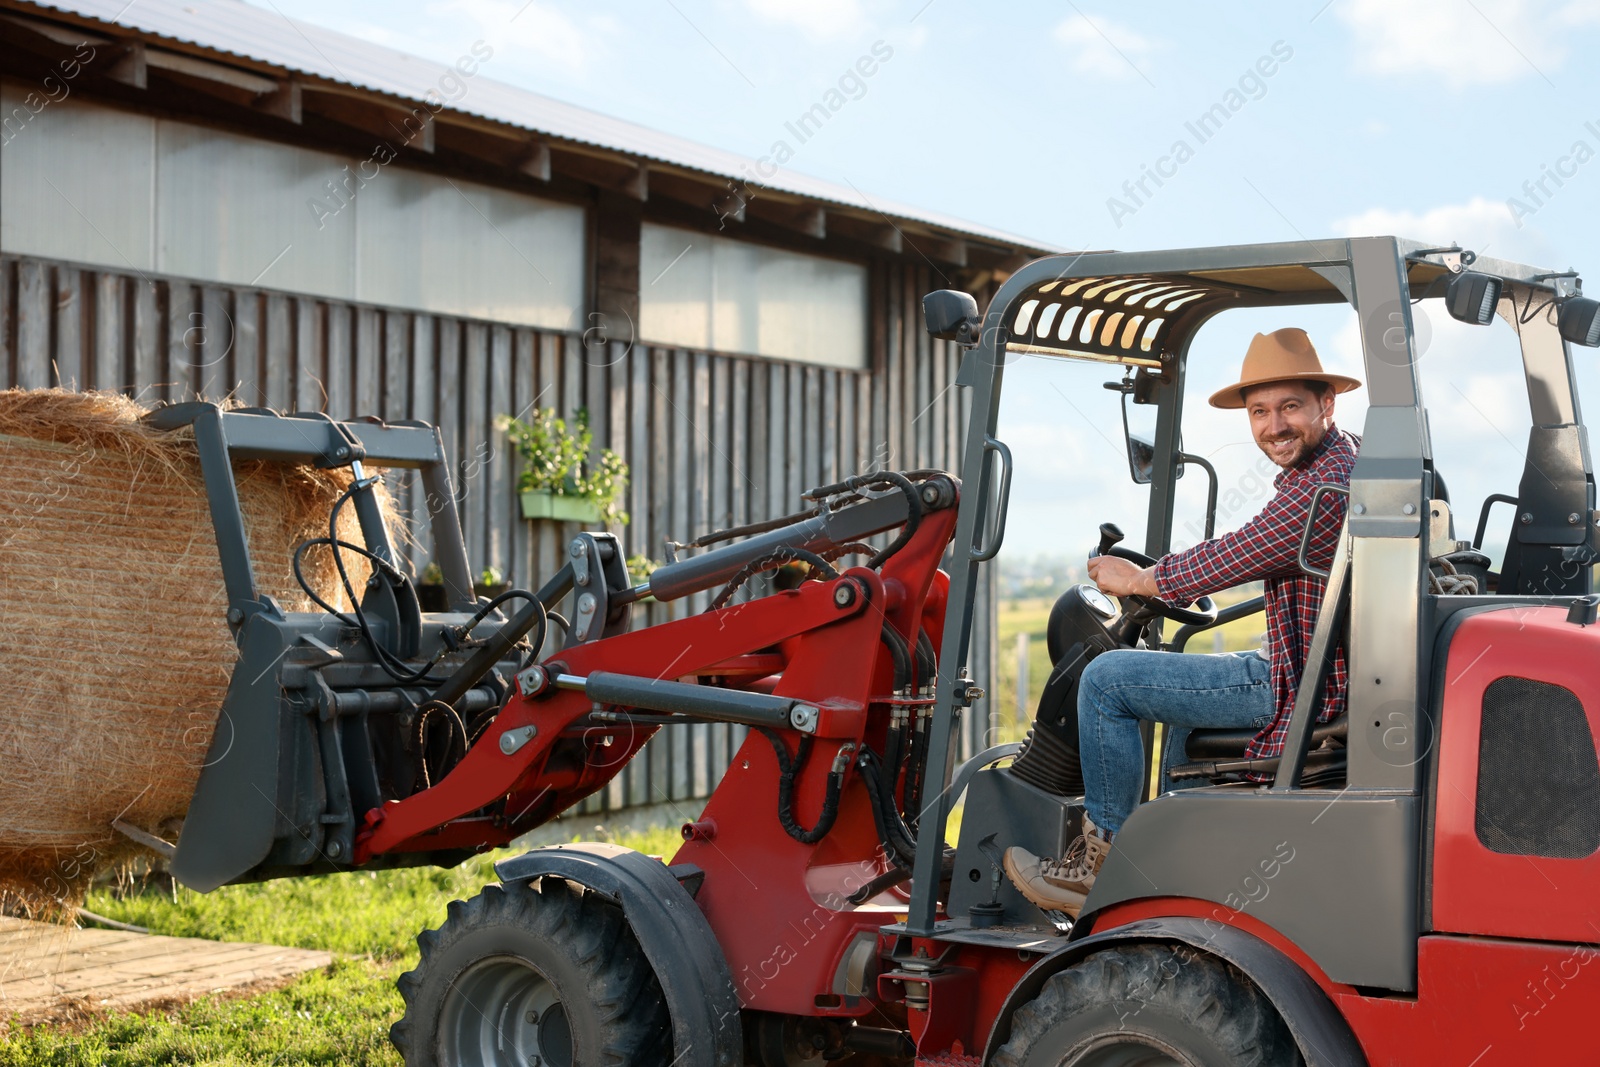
<point x="1153" y="1005"/>
<point x="524" y="974"/>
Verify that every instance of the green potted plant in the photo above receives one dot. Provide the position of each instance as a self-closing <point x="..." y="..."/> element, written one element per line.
<point x="558" y="481"/>
<point x="491" y="583"/>
<point x="430" y="589"/>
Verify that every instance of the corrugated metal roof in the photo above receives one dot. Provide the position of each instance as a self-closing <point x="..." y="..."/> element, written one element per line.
<point x="235" y="28"/>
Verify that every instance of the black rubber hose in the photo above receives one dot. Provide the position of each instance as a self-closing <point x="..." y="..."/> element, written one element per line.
<point x="898" y="840"/>
<point x="927" y="660"/>
<point x="898" y="874"/>
<point x="852" y="548"/>
<point x="913" y="515"/>
<point x="900" y="482"/>
<point x="915" y="769"/>
<point x="896" y="855"/>
<point x="787" y="772"/>
<point x="901" y="652"/>
<point x="392" y="665"/>
<point x="887" y="880"/>
<point x="779" y="556"/>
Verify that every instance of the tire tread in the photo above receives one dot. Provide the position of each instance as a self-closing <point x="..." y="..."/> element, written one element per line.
<point x="578" y="923"/>
<point x="1215" y="1000"/>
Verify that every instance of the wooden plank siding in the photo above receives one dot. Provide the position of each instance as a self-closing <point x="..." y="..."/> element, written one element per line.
<point x="711" y="439"/>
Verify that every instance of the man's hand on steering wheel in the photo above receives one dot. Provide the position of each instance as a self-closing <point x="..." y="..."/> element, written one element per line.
<point x="1131" y="576"/>
<point x="1120" y="577"/>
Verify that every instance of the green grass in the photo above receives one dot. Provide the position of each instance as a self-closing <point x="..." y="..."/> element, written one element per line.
<point x="337" y="1016"/>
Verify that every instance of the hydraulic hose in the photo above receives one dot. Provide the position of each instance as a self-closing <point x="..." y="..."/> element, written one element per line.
<point x="787" y="772"/>
<point x="898" y="842"/>
<point x="778" y="556"/>
<point x="927" y="661"/>
<point x="902" y="657"/>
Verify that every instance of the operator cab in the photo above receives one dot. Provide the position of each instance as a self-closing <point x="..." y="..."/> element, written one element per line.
<point x="1138" y="313"/>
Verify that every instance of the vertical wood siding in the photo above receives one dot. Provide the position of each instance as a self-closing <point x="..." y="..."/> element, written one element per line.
<point x="711" y="440"/>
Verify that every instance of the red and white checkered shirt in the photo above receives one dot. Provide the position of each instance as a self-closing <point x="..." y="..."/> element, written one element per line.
<point x="1264" y="549"/>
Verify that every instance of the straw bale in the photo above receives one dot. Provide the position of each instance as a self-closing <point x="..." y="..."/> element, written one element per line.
<point x="115" y="653"/>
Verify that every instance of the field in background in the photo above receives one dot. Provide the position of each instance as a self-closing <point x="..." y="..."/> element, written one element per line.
<point x="1030" y="615"/>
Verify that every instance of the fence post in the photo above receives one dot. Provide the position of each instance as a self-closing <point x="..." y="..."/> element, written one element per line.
<point x="1023" y="714"/>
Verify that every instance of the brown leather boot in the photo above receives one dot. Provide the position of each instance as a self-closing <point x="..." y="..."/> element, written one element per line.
<point x="1063" y="884"/>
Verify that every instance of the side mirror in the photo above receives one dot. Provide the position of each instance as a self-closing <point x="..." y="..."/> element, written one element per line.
<point x="951" y="315"/>
<point x="1142" y="459"/>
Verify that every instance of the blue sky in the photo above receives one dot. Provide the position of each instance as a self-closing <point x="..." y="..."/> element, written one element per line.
<point x="1353" y="117"/>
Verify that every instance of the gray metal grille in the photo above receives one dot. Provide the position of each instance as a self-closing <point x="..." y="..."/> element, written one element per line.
<point x="1538" y="776"/>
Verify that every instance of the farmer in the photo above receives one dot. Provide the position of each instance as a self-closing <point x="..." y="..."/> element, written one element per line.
<point x="1289" y="399"/>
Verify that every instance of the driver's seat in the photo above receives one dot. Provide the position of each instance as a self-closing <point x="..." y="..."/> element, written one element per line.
<point x="1218" y="755"/>
<point x="1230" y="743"/>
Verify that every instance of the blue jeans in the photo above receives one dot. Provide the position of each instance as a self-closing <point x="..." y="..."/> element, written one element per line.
<point x="1125" y="686"/>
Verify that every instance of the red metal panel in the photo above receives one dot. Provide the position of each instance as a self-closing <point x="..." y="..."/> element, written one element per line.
<point x="779" y="907"/>
<point x="1485" y="1003"/>
<point x="1480" y="1002"/>
<point x="1476" y="891"/>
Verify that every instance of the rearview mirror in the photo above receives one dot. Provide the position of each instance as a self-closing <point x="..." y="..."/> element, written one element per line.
<point x="951" y="315"/>
<point x="1142" y="459"/>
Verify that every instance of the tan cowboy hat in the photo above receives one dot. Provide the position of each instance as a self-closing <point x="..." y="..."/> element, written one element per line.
<point x="1280" y="356"/>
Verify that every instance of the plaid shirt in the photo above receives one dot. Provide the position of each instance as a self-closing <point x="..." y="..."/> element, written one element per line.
<point x="1265" y="549"/>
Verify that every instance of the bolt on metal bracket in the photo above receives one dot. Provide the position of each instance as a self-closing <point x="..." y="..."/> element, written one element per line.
<point x="512" y="740"/>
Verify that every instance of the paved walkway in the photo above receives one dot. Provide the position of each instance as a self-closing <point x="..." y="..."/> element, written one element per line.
<point x="46" y="969"/>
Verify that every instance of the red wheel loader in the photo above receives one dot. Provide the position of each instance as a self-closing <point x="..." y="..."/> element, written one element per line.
<point x="1417" y="882"/>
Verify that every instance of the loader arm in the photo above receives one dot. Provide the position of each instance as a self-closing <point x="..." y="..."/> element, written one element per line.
<point x="805" y="662"/>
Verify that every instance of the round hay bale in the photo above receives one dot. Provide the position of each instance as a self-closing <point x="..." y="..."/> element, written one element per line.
<point x="115" y="653"/>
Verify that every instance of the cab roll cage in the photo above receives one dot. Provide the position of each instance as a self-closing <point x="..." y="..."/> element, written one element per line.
<point x="1143" y="309"/>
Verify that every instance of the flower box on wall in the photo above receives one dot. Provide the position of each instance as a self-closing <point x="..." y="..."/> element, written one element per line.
<point x="544" y="504"/>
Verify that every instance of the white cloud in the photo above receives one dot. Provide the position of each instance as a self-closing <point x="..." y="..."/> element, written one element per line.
<point x="1104" y="49"/>
<point x="817" y="19"/>
<point x="1481" y="224"/>
<point x="1480" y="42"/>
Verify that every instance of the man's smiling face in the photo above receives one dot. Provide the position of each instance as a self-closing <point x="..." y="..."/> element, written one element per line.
<point x="1288" y="419"/>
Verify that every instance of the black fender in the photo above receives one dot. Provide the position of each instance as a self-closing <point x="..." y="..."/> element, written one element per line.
<point x="672" y="931"/>
<point x="1325" y="1039"/>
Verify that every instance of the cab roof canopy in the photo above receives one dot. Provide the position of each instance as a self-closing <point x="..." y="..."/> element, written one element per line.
<point x="1137" y="308"/>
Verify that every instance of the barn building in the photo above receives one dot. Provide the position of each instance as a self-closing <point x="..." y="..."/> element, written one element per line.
<point x="203" y="198"/>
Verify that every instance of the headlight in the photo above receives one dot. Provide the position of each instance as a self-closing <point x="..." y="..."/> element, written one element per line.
<point x="1471" y="297"/>
<point x="1579" y="321"/>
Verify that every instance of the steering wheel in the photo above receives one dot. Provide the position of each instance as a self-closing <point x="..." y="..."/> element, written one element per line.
<point x="1202" y="612"/>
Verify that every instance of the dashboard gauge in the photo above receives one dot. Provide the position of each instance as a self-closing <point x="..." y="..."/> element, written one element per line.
<point x="1097" y="600"/>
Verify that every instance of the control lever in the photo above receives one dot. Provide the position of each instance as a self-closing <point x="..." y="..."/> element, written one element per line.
<point x="1110" y="534"/>
<point x="993" y="912"/>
